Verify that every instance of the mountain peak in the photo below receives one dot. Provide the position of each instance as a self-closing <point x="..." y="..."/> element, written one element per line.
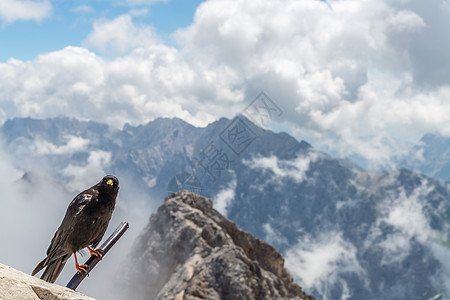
<point x="191" y="250"/>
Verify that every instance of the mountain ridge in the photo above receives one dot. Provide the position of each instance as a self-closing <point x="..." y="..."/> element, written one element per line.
<point x="309" y="205"/>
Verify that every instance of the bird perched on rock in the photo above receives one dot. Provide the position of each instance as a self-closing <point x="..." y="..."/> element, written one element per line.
<point x="84" y="225"/>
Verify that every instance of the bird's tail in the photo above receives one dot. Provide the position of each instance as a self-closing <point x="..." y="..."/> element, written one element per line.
<point x="53" y="269"/>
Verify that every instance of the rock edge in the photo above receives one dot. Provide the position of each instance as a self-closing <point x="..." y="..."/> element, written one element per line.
<point x="16" y="285"/>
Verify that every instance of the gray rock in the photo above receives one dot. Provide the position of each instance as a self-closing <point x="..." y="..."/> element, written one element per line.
<point x="190" y="251"/>
<point x="15" y="285"/>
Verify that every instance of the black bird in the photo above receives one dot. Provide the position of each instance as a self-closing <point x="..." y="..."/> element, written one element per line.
<point x="84" y="225"/>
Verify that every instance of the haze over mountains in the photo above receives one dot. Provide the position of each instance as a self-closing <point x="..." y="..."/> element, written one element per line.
<point x="430" y="156"/>
<point x="346" y="233"/>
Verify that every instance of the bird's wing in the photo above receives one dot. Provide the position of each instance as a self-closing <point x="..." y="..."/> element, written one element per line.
<point x="76" y="208"/>
<point x="101" y="232"/>
<point x="56" y="248"/>
<point x="79" y="203"/>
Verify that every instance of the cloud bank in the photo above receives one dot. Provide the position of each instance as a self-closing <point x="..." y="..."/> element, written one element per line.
<point x="410" y="223"/>
<point x="364" y="78"/>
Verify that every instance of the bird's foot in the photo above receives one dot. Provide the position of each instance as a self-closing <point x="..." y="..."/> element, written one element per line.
<point x="98" y="252"/>
<point x="82" y="268"/>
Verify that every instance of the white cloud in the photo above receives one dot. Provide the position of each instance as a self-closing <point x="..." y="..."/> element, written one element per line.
<point x="324" y="57"/>
<point x="15" y="10"/>
<point x="409" y="208"/>
<point x="97" y="162"/>
<point x="407" y="215"/>
<point x="294" y="169"/>
<point x="120" y="35"/>
<point x="224" y="197"/>
<point x="403" y="220"/>
<point x="8" y="172"/>
<point x="75" y="82"/>
<point x="316" y="262"/>
<point x="442" y="253"/>
<point x="352" y="76"/>
<point x="273" y="237"/>
<point x="74" y="144"/>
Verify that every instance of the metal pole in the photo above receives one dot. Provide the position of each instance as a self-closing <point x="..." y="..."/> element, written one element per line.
<point x="93" y="260"/>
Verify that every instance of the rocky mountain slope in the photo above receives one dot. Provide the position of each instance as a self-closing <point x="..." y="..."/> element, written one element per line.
<point x="359" y="235"/>
<point x="150" y="155"/>
<point x="190" y="251"/>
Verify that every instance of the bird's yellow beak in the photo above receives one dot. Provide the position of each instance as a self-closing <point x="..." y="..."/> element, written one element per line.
<point x="110" y="182"/>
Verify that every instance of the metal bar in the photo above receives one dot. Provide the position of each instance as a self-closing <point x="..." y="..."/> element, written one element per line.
<point x="93" y="260"/>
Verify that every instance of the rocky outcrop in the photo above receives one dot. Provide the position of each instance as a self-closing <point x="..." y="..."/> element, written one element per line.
<point x="190" y="251"/>
<point x="15" y="285"/>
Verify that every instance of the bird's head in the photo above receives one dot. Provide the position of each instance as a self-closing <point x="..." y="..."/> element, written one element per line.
<point x="110" y="182"/>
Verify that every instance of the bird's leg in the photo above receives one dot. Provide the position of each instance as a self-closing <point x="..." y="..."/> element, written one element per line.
<point x="82" y="268"/>
<point x="98" y="252"/>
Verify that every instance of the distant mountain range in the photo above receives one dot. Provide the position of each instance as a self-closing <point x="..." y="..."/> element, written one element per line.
<point x="346" y="233"/>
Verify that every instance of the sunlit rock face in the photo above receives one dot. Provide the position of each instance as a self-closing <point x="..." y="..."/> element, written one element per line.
<point x="17" y="285"/>
<point x="190" y="251"/>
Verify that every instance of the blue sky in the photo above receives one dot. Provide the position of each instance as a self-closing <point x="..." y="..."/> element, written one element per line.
<point x="70" y="22"/>
<point x="365" y="78"/>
